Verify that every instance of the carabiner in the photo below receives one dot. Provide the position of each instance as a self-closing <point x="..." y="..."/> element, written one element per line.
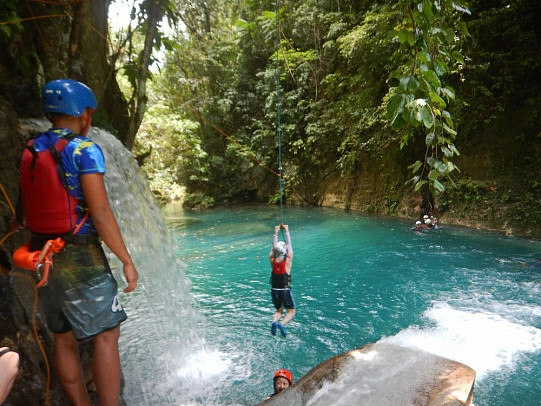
<point x="43" y="279"/>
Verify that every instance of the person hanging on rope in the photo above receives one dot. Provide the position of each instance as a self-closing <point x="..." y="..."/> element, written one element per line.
<point x="281" y="258"/>
<point x="63" y="197"/>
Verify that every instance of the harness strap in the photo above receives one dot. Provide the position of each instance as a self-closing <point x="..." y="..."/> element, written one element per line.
<point x="34" y="156"/>
<point x="41" y="261"/>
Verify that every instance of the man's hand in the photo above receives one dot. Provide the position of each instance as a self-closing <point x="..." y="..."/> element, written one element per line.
<point x="131" y="277"/>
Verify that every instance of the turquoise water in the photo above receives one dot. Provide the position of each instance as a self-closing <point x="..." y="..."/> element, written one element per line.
<point x="466" y="295"/>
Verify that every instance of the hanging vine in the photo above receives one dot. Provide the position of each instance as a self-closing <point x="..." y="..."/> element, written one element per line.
<point x="430" y="36"/>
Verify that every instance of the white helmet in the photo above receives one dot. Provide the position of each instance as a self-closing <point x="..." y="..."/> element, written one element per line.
<point x="280" y="249"/>
<point x="425" y="216"/>
<point x="418" y="223"/>
<point x="428" y="221"/>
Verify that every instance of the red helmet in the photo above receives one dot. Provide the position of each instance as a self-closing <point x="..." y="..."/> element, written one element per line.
<point x="284" y="373"/>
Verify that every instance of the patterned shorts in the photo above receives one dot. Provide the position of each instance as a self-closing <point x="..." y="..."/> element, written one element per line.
<point x="81" y="294"/>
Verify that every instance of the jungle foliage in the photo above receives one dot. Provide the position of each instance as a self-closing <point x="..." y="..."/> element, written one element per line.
<point x="340" y="82"/>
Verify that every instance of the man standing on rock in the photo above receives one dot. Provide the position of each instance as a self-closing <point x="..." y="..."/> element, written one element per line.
<point x="64" y="196"/>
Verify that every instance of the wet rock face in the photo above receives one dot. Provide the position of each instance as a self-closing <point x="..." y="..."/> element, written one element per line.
<point x="22" y="327"/>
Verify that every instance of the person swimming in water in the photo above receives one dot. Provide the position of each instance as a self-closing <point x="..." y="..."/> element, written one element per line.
<point x="282" y="380"/>
<point x="418" y="226"/>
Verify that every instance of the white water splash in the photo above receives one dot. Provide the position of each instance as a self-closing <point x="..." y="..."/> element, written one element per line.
<point x="485" y="341"/>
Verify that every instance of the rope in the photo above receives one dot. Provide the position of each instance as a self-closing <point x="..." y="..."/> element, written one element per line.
<point x="12" y="210"/>
<point x="36" y="333"/>
<point x="252" y="157"/>
<point x="43" y="353"/>
<point x="278" y="124"/>
<point x="7" y="198"/>
<point x="34" y="309"/>
<point x="50" y="248"/>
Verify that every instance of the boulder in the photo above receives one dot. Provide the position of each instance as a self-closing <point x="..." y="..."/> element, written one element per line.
<point x="382" y="374"/>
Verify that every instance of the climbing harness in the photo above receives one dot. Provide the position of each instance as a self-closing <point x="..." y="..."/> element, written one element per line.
<point x="41" y="261"/>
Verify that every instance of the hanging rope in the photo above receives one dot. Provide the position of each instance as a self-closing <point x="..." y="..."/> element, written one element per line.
<point x="12" y="210"/>
<point x="278" y="126"/>
<point x="34" y="307"/>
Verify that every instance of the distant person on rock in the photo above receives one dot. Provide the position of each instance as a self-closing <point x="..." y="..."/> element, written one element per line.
<point x="63" y="198"/>
<point x="281" y="258"/>
<point x="281" y="381"/>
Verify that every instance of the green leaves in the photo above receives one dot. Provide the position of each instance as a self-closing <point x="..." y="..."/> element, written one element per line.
<point x="430" y="32"/>
<point x="405" y="37"/>
<point x="395" y="109"/>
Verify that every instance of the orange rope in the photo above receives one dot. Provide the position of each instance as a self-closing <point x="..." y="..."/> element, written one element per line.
<point x="232" y="140"/>
<point x="7" y="199"/>
<point x="32" y="18"/>
<point x="12" y="210"/>
<point x="44" y="354"/>
<point x="35" y="331"/>
<point x="34" y="308"/>
<point x="4" y="238"/>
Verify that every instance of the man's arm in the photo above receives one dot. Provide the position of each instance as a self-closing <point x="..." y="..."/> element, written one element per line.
<point x="105" y="222"/>
<point x="274" y="241"/>
<point x="288" y="242"/>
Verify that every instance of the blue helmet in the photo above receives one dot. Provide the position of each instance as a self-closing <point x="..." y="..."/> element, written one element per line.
<point x="67" y="96"/>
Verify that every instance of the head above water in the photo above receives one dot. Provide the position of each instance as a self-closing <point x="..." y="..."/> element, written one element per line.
<point x="280" y="249"/>
<point x="67" y="96"/>
<point x="282" y="379"/>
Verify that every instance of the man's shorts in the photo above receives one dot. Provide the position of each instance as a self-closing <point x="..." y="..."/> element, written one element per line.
<point x="81" y="294"/>
<point x="282" y="297"/>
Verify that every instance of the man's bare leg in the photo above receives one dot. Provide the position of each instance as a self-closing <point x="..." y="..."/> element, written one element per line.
<point x="106" y="367"/>
<point x="277" y="315"/>
<point x="69" y="370"/>
<point x="289" y="315"/>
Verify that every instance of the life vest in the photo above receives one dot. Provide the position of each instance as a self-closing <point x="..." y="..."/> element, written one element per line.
<point x="279" y="277"/>
<point x="49" y="207"/>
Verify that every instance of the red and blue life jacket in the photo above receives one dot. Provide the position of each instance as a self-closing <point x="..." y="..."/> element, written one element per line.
<point x="49" y="207"/>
